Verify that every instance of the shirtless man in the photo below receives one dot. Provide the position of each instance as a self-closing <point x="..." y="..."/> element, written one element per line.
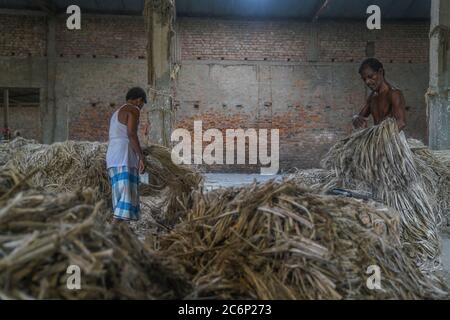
<point x="385" y="101"/>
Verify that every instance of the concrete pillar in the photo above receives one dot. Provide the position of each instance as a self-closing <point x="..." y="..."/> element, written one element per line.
<point x="49" y="116"/>
<point x="159" y="17"/>
<point x="6" y="108"/>
<point x="438" y="97"/>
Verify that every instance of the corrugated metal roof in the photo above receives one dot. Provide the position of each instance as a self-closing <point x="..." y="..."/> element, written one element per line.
<point x="299" y="9"/>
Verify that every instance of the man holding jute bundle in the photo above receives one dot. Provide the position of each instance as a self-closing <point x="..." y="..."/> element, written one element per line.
<point x="384" y="102"/>
<point x="124" y="158"/>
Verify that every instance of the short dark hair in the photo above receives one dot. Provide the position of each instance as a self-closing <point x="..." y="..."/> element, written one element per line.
<point x="373" y="64"/>
<point x="136" y="93"/>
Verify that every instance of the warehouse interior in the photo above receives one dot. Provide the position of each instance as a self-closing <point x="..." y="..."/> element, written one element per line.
<point x="289" y="65"/>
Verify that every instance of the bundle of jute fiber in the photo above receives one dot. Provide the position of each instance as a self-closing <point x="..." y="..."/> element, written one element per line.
<point x="43" y="234"/>
<point x="180" y="180"/>
<point x="381" y="158"/>
<point x="64" y="166"/>
<point x="4" y="153"/>
<point x="312" y="178"/>
<point x="443" y="156"/>
<point x="279" y="241"/>
<point x="436" y="175"/>
<point x="6" y="148"/>
<point x="67" y="166"/>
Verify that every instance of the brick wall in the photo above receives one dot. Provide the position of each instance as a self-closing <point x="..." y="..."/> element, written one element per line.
<point x="92" y="89"/>
<point x="237" y="40"/>
<point x="92" y="123"/>
<point x="283" y="40"/>
<point x="22" y="36"/>
<point x="103" y="37"/>
<point x="256" y="74"/>
<point x="95" y="67"/>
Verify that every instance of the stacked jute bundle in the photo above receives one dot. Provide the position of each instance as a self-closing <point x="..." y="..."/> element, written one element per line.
<point x="178" y="180"/>
<point x="63" y="166"/>
<point x="4" y="153"/>
<point x="312" y="178"/>
<point x="43" y="233"/>
<point x="279" y="241"/>
<point x="381" y="158"/>
<point x="436" y="175"/>
<point x="443" y="156"/>
<point x="67" y="166"/>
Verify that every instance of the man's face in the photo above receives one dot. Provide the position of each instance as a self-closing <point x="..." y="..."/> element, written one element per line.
<point x="373" y="79"/>
<point x="139" y="102"/>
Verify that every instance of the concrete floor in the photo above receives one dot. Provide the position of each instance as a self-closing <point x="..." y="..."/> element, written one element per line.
<point x="224" y="180"/>
<point x="214" y="181"/>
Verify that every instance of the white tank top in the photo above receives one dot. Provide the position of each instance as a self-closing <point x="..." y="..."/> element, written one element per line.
<point x="120" y="153"/>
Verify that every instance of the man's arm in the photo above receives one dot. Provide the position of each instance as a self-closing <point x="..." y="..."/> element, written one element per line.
<point x="399" y="109"/>
<point x="132" y="127"/>
<point x="360" y="120"/>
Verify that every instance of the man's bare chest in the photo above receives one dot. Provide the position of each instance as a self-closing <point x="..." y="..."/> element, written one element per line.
<point x="380" y="107"/>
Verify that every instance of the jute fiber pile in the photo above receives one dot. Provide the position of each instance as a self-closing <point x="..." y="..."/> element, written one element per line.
<point x="436" y="175"/>
<point x="443" y="156"/>
<point x="380" y="158"/>
<point x="63" y="166"/>
<point x="279" y="241"/>
<point x="70" y="165"/>
<point x="179" y="181"/>
<point x="4" y="153"/>
<point x="43" y="233"/>
<point x="312" y="178"/>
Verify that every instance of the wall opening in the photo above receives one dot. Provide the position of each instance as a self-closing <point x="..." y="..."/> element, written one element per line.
<point x="20" y="113"/>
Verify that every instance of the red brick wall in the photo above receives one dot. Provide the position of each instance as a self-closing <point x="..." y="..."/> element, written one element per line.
<point x="311" y="104"/>
<point x="22" y="36"/>
<point x="310" y="121"/>
<point x="92" y="124"/>
<point x="236" y="40"/>
<point x="405" y="43"/>
<point x="283" y="40"/>
<point x="100" y="36"/>
<point x="103" y="37"/>
<point x="91" y="90"/>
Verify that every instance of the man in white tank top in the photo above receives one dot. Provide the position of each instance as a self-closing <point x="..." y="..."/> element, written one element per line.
<point x="124" y="158"/>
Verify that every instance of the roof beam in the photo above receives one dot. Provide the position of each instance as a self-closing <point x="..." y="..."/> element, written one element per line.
<point x="20" y="12"/>
<point x="320" y="8"/>
<point x="411" y="4"/>
<point x="47" y="6"/>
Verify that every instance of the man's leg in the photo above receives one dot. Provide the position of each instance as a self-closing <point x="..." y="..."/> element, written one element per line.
<point x="124" y="182"/>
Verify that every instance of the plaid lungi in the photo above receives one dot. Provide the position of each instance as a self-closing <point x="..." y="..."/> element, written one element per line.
<point x="125" y="192"/>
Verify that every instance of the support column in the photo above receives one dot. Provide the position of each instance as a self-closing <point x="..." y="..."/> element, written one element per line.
<point x="49" y="117"/>
<point x="159" y="16"/>
<point x="438" y="97"/>
<point x="6" y="108"/>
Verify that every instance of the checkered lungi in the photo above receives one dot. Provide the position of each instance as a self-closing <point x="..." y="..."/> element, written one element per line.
<point x="125" y="192"/>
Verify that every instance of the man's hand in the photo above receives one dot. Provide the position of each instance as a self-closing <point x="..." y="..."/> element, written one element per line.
<point x="141" y="165"/>
<point x="359" y="122"/>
